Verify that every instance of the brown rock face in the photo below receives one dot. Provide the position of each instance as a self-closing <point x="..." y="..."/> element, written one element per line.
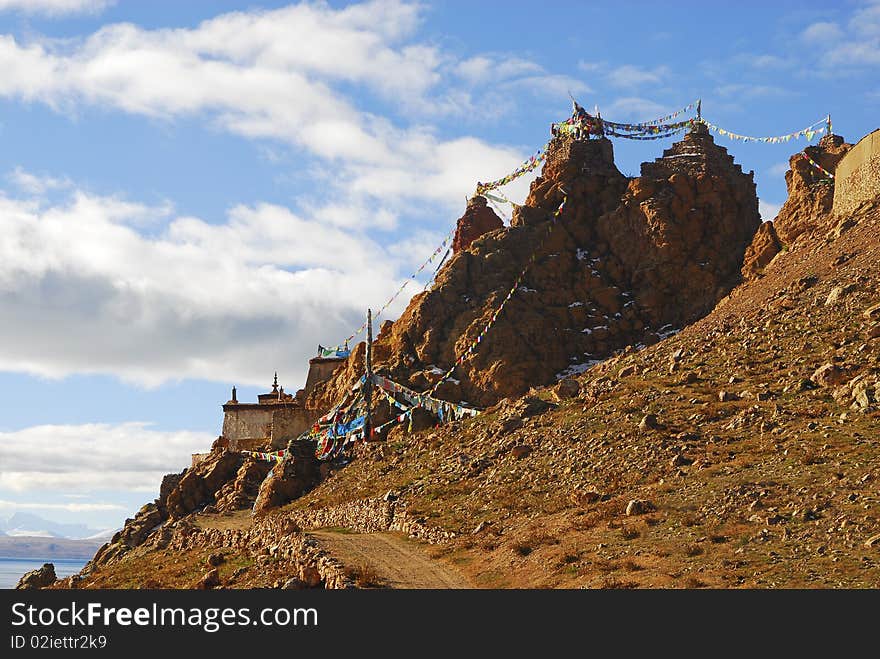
<point x="765" y="245"/>
<point x="199" y="486"/>
<point x="136" y="530"/>
<point x="290" y="479"/>
<point x="810" y="193"/>
<point x="478" y="219"/>
<point x="242" y="492"/>
<point x="626" y="261"/>
<point x="39" y="578"/>
<point x="682" y="229"/>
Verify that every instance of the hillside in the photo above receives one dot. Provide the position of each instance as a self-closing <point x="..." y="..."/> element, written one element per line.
<point x="740" y="451"/>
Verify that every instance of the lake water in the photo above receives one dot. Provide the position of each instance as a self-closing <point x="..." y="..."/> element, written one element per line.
<point x="12" y="569"/>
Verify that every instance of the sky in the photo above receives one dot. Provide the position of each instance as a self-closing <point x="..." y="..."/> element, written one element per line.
<point x="194" y="195"/>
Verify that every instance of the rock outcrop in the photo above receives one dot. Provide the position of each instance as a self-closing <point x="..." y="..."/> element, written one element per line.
<point x="477" y="220"/>
<point x="627" y="260"/>
<point x="199" y="486"/>
<point x="290" y="479"/>
<point x="810" y="192"/>
<point x="242" y="491"/>
<point x="765" y="245"/>
<point x="39" y="578"/>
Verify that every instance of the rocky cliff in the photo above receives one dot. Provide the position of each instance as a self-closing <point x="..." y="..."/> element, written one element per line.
<point x="627" y="261"/>
<point x="808" y="207"/>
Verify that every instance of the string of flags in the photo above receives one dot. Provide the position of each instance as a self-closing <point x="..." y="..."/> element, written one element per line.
<point x="446" y="240"/>
<point x="627" y="130"/>
<point x="528" y="166"/>
<point x="817" y="165"/>
<point x="690" y="106"/>
<point x="809" y="132"/>
<point x="272" y="456"/>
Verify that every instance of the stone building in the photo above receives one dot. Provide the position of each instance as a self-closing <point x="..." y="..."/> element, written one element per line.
<point x="277" y="416"/>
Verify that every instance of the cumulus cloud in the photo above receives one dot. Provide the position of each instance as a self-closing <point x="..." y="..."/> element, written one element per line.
<point x="56" y="7"/>
<point x="635" y="108"/>
<point x="90" y="292"/>
<point x="89" y="457"/>
<point x="279" y="75"/>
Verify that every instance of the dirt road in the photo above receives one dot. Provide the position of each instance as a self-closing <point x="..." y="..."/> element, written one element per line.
<point x="397" y="562"/>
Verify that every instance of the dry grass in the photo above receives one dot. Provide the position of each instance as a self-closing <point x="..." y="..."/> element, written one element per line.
<point x="364" y="576"/>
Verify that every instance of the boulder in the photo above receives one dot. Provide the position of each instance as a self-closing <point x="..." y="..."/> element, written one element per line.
<point x="209" y="580"/>
<point x="566" y="388"/>
<point x="828" y="375"/>
<point x="39" y="578"/>
<point x="763" y="248"/>
<point x="639" y="507"/>
<point x="290" y="479"/>
<point x="649" y="422"/>
<point x="241" y="492"/>
<point x="199" y="486"/>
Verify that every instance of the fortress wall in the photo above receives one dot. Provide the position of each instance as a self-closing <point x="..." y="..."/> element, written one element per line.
<point x="857" y="178"/>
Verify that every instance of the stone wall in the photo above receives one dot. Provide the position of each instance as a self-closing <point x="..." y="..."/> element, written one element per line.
<point x="857" y="178"/>
<point x="370" y="516"/>
<point x="274" y="537"/>
<point x="320" y="370"/>
<point x="249" y="422"/>
<point x="289" y="423"/>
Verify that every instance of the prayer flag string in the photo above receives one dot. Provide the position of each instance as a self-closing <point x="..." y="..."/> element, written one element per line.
<point x="809" y="132"/>
<point x="446" y="240"/>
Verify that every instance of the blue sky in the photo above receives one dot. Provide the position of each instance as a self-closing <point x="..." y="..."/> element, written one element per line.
<point x="194" y="195"/>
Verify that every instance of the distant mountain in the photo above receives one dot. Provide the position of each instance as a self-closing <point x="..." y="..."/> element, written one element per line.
<point x="27" y="524"/>
<point x="47" y="548"/>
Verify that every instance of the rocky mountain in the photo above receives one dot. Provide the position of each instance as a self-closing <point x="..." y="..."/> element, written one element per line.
<point x="740" y="451"/>
<point x="28" y="524"/>
<point x="627" y="261"/>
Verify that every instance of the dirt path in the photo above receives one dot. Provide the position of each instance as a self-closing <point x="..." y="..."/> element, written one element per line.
<point x="397" y="562"/>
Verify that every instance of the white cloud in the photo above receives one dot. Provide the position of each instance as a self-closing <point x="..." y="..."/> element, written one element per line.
<point x="90" y="457"/>
<point x="276" y="75"/>
<point x="822" y="33"/>
<point x="842" y="50"/>
<point x="866" y="21"/>
<point x="34" y="184"/>
<point x="635" y="108"/>
<point x="768" y="210"/>
<point x="88" y="292"/>
<point x="634" y="76"/>
<point x="56" y="7"/>
<point x="65" y="507"/>
<point x="483" y="69"/>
